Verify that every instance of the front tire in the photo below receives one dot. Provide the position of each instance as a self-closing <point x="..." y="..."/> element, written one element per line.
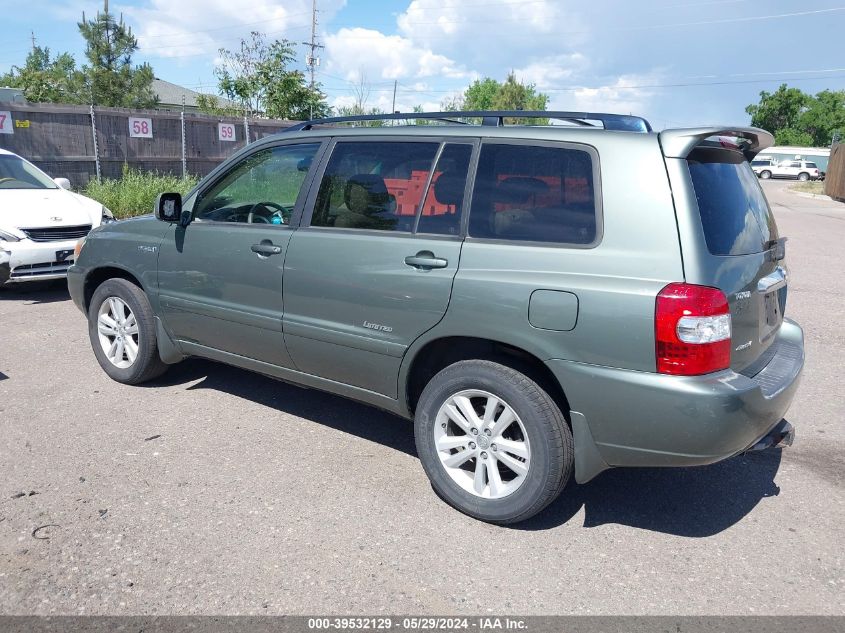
<point x="121" y="326"/>
<point x="493" y="443"/>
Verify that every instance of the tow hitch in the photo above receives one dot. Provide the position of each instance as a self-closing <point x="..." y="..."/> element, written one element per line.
<point x="779" y="437"/>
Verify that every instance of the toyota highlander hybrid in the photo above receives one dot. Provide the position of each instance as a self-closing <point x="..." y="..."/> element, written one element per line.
<point x="541" y="300"/>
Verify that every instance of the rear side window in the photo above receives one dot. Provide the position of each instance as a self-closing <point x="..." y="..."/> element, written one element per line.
<point x="734" y="213"/>
<point x="374" y="185"/>
<point x="534" y="193"/>
<point x="441" y="211"/>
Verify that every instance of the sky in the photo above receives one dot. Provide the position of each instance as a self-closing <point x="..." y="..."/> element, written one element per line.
<point x="676" y="62"/>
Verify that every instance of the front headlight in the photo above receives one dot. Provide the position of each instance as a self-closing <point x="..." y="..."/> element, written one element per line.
<point x="8" y="237"/>
<point x="108" y="216"/>
<point x="77" y="249"/>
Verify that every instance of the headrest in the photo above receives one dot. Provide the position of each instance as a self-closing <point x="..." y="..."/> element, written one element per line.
<point x="519" y="189"/>
<point x="449" y="188"/>
<point x="366" y="192"/>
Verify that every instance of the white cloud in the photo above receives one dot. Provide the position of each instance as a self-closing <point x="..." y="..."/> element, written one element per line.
<point x="196" y="27"/>
<point x="352" y="52"/>
<point x="628" y="94"/>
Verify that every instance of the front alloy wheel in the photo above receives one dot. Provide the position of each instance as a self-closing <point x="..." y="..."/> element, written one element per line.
<point x="482" y="444"/>
<point x="118" y="332"/>
<point x="122" y="330"/>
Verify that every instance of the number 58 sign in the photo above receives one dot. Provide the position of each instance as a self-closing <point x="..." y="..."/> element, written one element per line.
<point x="140" y="128"/>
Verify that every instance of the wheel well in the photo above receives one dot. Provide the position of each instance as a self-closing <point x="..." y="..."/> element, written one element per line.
<point x="441" y="353"/>
<point x="98" y="276"/>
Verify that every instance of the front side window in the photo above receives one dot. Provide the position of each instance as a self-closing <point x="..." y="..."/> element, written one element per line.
<point x="534" y="193"/>
<point x="261" y="189"/>
<point x="16" y="173"/>
<point x="374" y="185"/>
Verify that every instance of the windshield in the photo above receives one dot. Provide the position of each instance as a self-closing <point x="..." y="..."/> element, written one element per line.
<point x="734" y="213"/>
<point x="16" y="173"/>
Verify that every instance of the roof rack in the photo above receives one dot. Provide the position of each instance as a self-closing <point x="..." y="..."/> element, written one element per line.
<point x="628" y="123"/>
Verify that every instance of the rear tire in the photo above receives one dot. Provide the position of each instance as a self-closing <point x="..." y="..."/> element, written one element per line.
<point x="493" y="443"/>
<point x="803" y="177"/>
<point x="121" y="326"/>
<point x="765" y="174"/>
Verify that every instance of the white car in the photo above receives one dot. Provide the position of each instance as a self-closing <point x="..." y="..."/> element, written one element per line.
<point x="40" y="222"/>
<point x="801" y="169"/>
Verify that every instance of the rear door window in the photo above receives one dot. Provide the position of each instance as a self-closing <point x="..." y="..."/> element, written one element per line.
<point x="375" y="186"/>
<point x="534" y="193"/>
<point x="734" y="212"/>
<point x="441" y="210"/>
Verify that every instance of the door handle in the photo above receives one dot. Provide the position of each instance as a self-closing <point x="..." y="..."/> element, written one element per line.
<point x="426" y="259"/>
<point x="265" y="248"/>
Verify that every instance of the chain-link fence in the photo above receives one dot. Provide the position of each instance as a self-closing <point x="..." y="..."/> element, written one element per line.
<point x="83" y="142"/>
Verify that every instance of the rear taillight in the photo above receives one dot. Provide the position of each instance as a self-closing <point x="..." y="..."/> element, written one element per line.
<point x="692" y="326"/>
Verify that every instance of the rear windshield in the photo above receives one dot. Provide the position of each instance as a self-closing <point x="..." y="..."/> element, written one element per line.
<point x="734" y="213"/>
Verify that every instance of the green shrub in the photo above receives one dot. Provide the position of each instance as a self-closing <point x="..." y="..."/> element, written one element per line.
<point x="135" y="192"/>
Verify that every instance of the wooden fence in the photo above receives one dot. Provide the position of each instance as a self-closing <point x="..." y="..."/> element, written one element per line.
<point x="81" y="142"/>
<point x="834" y="180"/>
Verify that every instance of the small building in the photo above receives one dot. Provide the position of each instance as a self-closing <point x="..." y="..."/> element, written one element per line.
<point x="170" y="96"/>
<point x="12" y="95"/>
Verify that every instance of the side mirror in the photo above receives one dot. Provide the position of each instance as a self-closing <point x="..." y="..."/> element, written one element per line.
<point x="169" y="207"/>
<point x="64" y="183"/>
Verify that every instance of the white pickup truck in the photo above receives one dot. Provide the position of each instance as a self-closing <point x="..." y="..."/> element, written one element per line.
<point x="801" y="169"/>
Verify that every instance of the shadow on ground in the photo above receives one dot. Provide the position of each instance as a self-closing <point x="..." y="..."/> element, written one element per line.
<point x="692" y="502"/>
<point x="36" y="292"/>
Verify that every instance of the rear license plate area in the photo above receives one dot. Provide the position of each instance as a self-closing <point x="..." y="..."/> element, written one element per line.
<point x="772" y="314"/>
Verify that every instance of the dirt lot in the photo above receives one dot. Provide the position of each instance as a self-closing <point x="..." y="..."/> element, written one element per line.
<point x="218" y="491"/>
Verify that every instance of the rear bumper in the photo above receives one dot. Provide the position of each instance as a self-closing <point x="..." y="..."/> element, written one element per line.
<point x="648" y="419"/>
<point x="34" y="261"/>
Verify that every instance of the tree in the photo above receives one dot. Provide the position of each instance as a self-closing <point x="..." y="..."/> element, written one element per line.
<point x="489" y="94"/>
<point x="824" y="117"/>
<point x="796" y="118"/>
<point x="212" y="105"/>
<point x="46" y="79"/>
<point x="260" y="78"/>
<point x="111" y="78"/>
<point x="481" y="94"/>
<point x="778" y="110"/>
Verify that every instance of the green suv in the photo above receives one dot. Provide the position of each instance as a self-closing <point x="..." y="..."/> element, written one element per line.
<point x="539" y="299"/>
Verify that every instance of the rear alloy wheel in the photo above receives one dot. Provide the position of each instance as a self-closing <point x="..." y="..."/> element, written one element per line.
<point x="487" y="455"/>
<point x="493" y="443"/>
<point x="121" y="327"/>
<point x="765" y="174"/>
<point x="803" y="176"/>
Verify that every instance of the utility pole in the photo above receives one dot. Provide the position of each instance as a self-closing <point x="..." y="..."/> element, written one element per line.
<point x="32" y="36"/>
<point x="393" y="107"/>
<point x="312" y="61"/>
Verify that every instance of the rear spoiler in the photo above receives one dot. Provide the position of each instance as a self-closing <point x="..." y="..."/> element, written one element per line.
<point x="678" y="143"/>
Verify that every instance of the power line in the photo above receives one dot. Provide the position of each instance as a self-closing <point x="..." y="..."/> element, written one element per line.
<point x="643" y="27"/>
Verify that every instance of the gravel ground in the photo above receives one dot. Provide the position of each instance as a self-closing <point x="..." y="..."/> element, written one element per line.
<point x="217" y="491"/>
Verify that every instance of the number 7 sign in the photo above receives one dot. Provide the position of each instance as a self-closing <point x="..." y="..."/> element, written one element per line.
<point x="6" y="123"/>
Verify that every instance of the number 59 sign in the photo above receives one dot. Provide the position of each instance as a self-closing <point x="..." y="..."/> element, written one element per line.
<point x="140" y="128"/>
<point x="226" y="131"/>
